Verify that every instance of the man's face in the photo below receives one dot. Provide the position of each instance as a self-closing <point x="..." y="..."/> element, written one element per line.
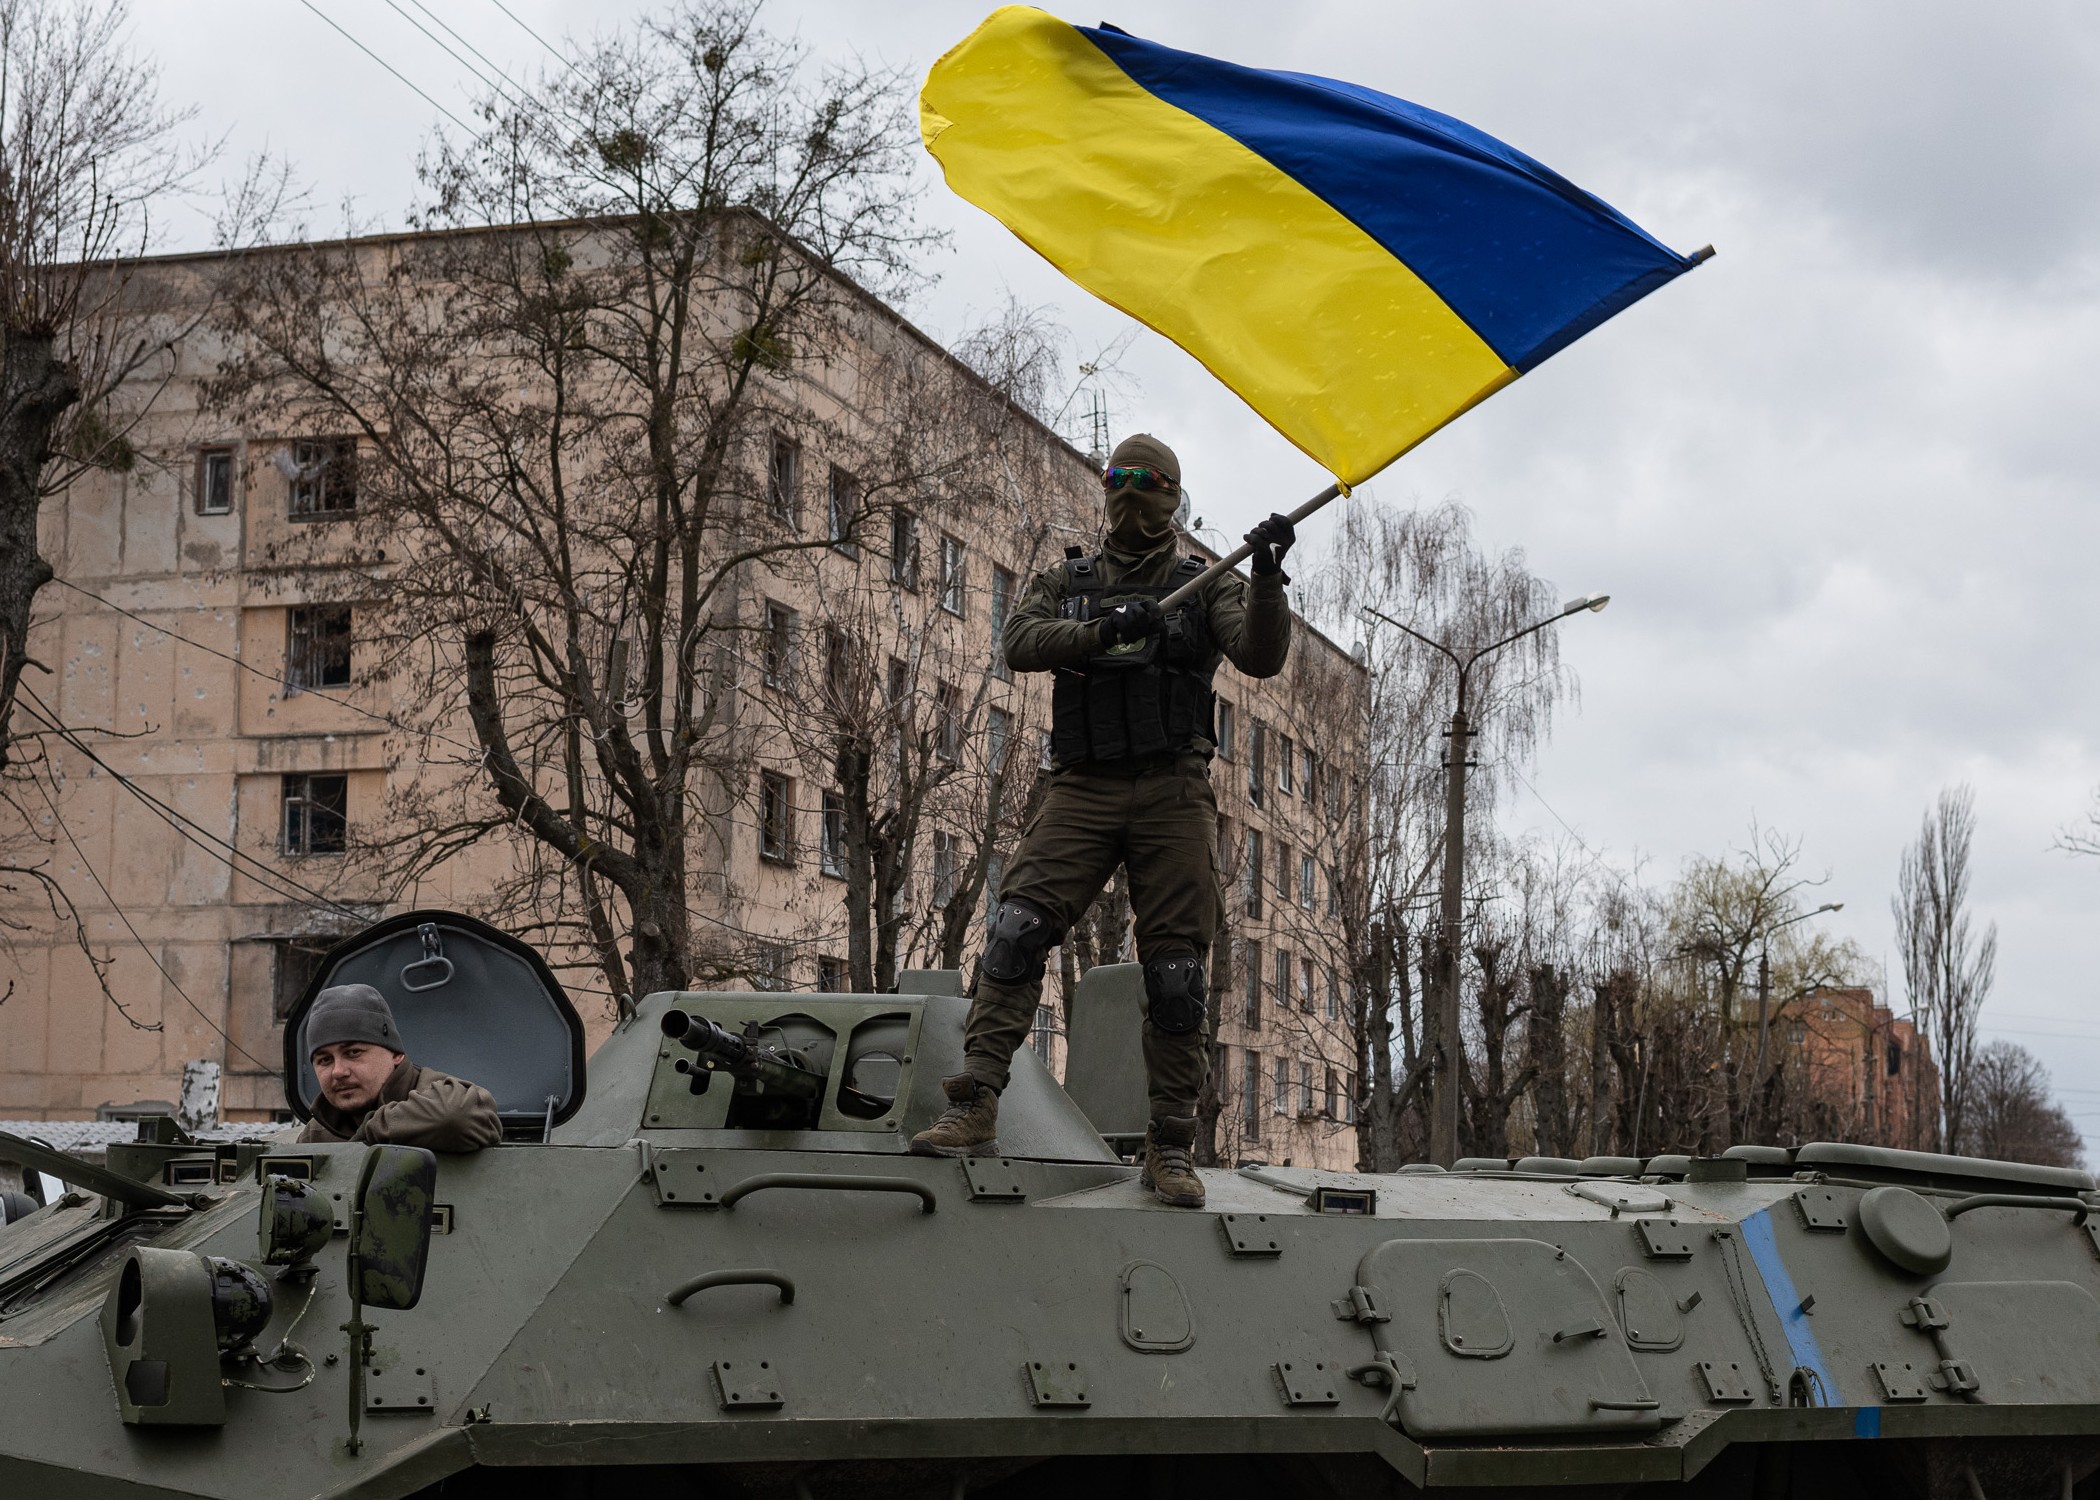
<point x="352" y="1073"/>
<point x="1141" y="502"/>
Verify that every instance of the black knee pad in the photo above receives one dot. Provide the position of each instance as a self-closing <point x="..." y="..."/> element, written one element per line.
<point x="1174" y="993"/>
<point x="1022" y="933"/>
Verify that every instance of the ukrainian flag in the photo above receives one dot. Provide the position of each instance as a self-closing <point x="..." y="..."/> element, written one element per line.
<point x="1360" y="270"/>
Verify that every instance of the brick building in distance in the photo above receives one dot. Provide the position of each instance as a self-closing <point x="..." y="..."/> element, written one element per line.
<point x="254" y="741"/>
<point x="1855" y="1070"/>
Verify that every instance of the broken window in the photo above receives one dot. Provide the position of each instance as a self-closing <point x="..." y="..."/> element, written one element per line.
<point x="831" y="838"/>
<point x="294" y="965"/>
<point x="904" y="548"/>
<point x="316" y="814"/>
<point x="947" y="699"/>
<point x="951" y="575"/>
<point x="776" y="815"/>
<point x="943" y="868"/>
<point x="783" y="473"/>
<point x="317" y="651"/>
<point x="214" y="481"/>
<point x="842" y="512"/>
<point x="779" y="646"/>
<point x="324" y="477"/>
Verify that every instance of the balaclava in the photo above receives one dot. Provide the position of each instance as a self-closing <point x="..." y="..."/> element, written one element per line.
<point x="1141" y="520"/>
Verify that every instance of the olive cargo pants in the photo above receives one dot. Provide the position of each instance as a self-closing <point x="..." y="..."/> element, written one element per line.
<point x="1162" y="826"/>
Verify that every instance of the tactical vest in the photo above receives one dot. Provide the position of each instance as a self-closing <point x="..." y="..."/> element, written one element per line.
<point x="1140" y="700"/>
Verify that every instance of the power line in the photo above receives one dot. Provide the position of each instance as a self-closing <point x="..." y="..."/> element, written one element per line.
<point x="175" y="983"/>
<point x="360" y="46"/>
<point x="440" y="43"/>
<point x="262" y="874"/>
<point x="516" y="87"/>
<point x="473" y="751"/>
<point x="472" y="754"/>
<point x="1618" y="876"/>
<point x="559" y="56"/>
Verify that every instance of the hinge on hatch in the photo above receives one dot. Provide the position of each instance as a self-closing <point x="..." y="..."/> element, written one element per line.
<point x="1957" y="1377"/>
<point x="1359" y="1307"/>
<point x="1924" y="1314"/>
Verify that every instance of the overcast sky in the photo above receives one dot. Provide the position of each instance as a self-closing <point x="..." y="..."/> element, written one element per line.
<point x="1839" y="481"/>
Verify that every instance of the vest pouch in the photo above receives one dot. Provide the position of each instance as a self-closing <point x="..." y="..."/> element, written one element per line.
<point x="1107" y="724"/>
<point x="1070" y="742"/>
<point x="1185" y="641"/>
<point x="1145" y="711"/>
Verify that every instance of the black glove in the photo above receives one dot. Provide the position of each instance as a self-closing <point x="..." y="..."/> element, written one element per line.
<point x="1132" y="620"/>
<point x="1271" y="539"/>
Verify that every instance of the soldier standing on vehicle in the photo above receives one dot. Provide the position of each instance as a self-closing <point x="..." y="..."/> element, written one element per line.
<point x="1132" y="735"/>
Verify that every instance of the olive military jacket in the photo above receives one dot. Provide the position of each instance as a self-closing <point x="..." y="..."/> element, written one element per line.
<point x="1250" y="622"/>
<point x="416" y="1107"/>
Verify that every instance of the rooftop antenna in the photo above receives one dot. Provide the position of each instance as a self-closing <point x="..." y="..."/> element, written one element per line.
<point x="1096" y="416"/>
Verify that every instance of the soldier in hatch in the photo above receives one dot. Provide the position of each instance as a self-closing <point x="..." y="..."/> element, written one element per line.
<point x="371" y="1092"/>
<point x="1132" y="736"/>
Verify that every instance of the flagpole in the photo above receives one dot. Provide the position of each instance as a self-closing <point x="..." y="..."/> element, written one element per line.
<point x="1225" y="565"/>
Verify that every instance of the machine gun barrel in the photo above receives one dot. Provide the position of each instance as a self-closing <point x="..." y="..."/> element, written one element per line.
<point x="774" y="1069"/>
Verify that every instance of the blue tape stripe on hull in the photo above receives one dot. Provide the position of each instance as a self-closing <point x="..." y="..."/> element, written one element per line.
<point x="1763" y="1244"/>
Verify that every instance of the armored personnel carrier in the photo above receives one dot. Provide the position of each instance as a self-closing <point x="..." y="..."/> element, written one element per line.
<point x="707" y="1264"/>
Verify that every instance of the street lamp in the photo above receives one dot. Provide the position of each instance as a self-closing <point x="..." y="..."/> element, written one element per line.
<point x="1764" y="979"/>
<point x="1443" y="1124"/>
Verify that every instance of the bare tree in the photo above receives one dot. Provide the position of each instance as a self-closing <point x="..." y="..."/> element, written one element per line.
<point x="1424" y="568"/>
<point x="1947" y="967"/>
<point x="1729" y="915"/>
<point x="90" y="164"/>
<point x="86" y="156"/>
<point x="568" y="420"/>
<point x="2009" y="1113"/>
<point x="905" y="710"/>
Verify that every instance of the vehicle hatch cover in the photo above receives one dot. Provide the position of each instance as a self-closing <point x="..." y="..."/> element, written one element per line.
<point x="468" y="1000"/>
<point x="1563" y="1365"/>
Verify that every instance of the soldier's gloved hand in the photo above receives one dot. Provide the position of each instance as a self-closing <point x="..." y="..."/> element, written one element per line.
<point x="1132" y="620"/>
<point x="1271" y="539"/>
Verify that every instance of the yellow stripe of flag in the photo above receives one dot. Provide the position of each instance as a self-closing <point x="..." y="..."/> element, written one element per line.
<point x="1336" y="343"/>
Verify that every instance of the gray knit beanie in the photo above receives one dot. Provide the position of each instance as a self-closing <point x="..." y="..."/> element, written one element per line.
<point x="350" y="1013"/>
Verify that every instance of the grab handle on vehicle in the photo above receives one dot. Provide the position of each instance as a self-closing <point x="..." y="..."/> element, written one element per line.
<point x="1961" y="1206"/>
<point x="828" y="1182"/>
<point x="757" y="1277"/>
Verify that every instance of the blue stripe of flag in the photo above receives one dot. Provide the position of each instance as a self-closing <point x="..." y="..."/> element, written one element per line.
<point x="1530" y="261"/>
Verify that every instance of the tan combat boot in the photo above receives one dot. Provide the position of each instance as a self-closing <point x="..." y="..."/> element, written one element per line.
<point x="969" y="1126"/>
<point x="1170" y="1169"/>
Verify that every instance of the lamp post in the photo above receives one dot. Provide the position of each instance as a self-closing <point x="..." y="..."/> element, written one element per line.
<point x="1443" y="1124"/>
<point x="1764" y="980"/>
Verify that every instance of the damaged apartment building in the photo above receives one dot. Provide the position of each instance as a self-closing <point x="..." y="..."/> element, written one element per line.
<point x="264" y="654"/>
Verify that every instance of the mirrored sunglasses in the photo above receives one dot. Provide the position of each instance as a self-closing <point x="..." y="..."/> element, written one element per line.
<point x="1136" y="478"/>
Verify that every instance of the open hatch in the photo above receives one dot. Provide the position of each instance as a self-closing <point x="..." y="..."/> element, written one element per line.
<point x="468" y="1000"/>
